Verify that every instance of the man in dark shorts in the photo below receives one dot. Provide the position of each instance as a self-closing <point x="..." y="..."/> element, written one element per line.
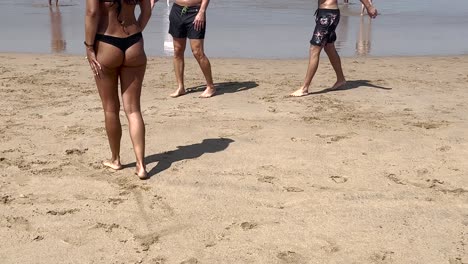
<point x="324" y="37"/>
<point x="188" y="20"/>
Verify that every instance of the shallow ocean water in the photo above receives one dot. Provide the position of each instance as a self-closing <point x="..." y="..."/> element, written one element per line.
<point x="256" y="29"/>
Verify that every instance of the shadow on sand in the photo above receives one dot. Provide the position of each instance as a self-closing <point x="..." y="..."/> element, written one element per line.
<point x="166" y="159"/>
<point x="226" y="87"/>
<point x="351" y="85"/>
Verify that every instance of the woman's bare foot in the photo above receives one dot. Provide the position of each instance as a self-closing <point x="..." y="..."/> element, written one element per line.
<point x="115" y="165"/>
<point x="338" y="84"/>
<point x="178" y="92"/>
<point x="300" y="92"/>
<point x="141" y="172"/>
<point x="209" y="92"/>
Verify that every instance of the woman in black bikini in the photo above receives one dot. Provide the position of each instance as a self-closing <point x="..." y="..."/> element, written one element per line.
<point x="115" y="51"/>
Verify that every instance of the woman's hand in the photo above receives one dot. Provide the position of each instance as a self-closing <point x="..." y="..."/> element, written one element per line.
<point x="95" y="65"/>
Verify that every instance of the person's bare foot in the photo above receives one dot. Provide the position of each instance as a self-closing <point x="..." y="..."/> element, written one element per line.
<point x="338" y="84"/>
<point x="115" y="165"/>
<point x="300" y="92"/>
<point x="209" y="92"/>
<point x="178" y="92"/>
<point x="141" y="172"/>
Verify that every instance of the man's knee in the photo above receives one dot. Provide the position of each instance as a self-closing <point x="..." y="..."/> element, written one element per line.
<point x="198" y="53"/>
<point x="315" y="50"/>
<point x="178" y="52"/>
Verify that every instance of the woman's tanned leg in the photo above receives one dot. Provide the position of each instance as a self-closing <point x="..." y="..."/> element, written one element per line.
<point x="107" y="84"/>
<point x="131" y="80"/>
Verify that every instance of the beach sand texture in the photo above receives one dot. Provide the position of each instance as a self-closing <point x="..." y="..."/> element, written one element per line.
<point x="373" y="173"/>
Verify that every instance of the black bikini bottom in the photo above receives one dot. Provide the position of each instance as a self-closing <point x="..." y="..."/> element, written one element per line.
<point x="122" y="43"/>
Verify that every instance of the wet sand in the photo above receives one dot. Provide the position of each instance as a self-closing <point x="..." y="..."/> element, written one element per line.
<point x="373" y="173"/>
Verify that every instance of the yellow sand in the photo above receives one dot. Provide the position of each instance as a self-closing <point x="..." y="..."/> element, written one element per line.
<point x="376" y="173"/>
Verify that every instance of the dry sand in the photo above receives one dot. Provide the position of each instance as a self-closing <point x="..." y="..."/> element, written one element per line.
<point x="374" y="173"/>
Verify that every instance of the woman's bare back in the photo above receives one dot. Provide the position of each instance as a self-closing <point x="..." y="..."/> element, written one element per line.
<point x="114" y="24"/>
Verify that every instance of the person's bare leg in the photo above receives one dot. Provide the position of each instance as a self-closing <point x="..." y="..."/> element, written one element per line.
<point x="336" y="63"/>
<point x="179" y="65"/>
<point x="198" y="51"/>
<point x="314" y="59"/>
<point x="56" y="2"/>
<point x="108" y="91"/>
<point x="131" y="80"/>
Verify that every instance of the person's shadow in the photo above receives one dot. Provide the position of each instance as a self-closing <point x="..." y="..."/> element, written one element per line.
<point x="166" y="159"/>
<point x="226" y="87"/>
<point x="351" y="85"/>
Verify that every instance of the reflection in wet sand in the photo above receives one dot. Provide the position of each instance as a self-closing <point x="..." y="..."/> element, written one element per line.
<point x="343" y="28"/>
<point x="58" y="43"/>
<point x="168" y="42"/>
<point x="363" y="43"/>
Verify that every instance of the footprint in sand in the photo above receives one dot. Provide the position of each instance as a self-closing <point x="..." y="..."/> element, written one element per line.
<point x="293" y="189"/>
<point x="158" y="260"/>
<point x="339" y="179"/>
<point x="268" y="99"/>
<point x="310" y="119"/>
<point x="76" y="151"/>
<point x="147" y="240"/>
<point x="115" y="201"/>
<point x="62" y="212"/>
<point x="382" y="257"/>
<point x="248" y="225"/>
<point x="337" y="138"/>
<point x="434" y="182"/>
<point x="444" y="148"/>
<point x="333" y="138"/>
<point x="18" y="222"/>
<point x="6" y="199"/>
<point x="266" y="179"/>
<point x="290" y="257"/>
<point x="107" y="227"/>
<point x="455" y="260"/>
<point x="37" y="238"/>
<point x="47" y="170"/>
<point x="394" y="179"/>
<point x="190" y="261"/>
<point x="430" y="124"/>
<point x="96" y="165"/>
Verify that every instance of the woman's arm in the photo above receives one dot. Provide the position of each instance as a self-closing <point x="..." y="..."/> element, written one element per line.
<point x="91" y="20"/>
<point x="145" y="15"/>
<point x="91" y="25"/>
